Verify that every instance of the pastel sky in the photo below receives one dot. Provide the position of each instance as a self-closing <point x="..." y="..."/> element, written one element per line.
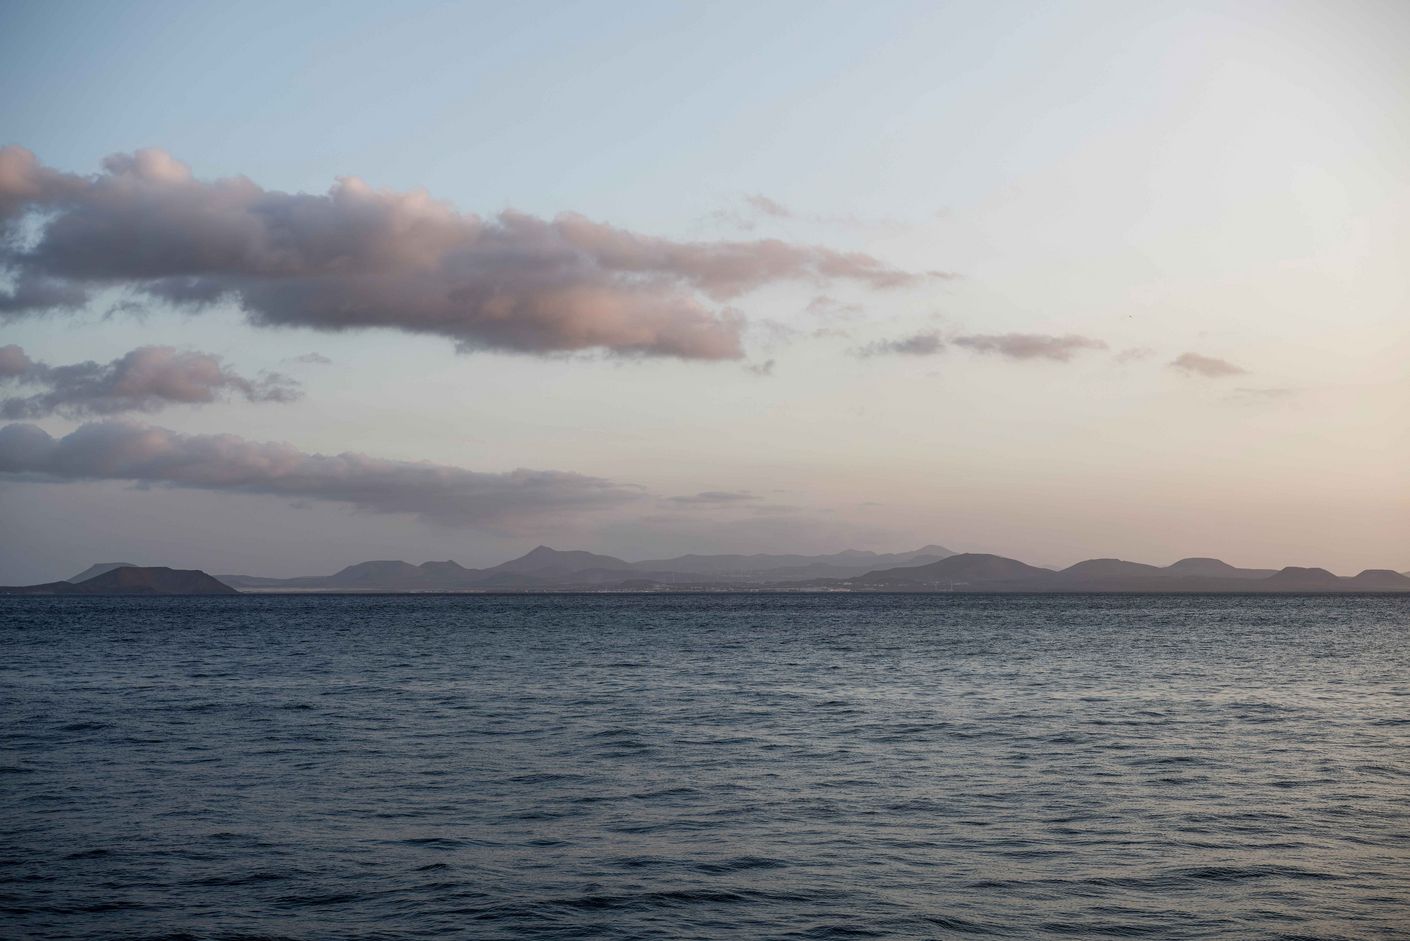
<point x="289" y="286"/>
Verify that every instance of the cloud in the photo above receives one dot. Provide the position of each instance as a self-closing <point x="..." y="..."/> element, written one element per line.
<point x="766" y="368"/>
<point x="1252" y="396"/>
<point x="1021" y="346"/>
<point x="14" y="363"/>
<point x="829" y="308"/>
<point x="1193" y="364"/>
<point x="439" y="493"/>
<point x="313" y="358"/>
<point x="774" y="333"/>
<point x="145" y="380"/>
<point x="920" y="344"/>
<point x="33" y="292"/>
<point x="714" y="498"/>
<point x="749" y="210"/>
<point x="1134" y="353"/>
<point x="1030" y="345"/>
<point x="769" y="207"/>
<point x="358" y="258"/>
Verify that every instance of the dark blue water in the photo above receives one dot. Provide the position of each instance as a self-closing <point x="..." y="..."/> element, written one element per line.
<point x="705" y="766"/>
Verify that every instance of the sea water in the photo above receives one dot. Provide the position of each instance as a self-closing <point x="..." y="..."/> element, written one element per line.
<point x="705" y="766"/>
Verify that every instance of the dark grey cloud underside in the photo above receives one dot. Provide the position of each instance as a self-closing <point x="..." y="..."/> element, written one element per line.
<point x="144" y="454"/>
<point x="146" y="379"/>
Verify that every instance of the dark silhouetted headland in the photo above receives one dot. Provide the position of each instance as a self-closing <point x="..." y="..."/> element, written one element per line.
<point x="98" y="569"/>
<point x="133" y="580"/>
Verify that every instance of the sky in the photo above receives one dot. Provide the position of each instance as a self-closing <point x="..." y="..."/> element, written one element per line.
<point x="285" y="287"/>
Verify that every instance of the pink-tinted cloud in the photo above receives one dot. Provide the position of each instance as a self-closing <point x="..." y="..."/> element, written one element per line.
<point x="1210" y="367"/>
<point x="357" y="258"/>
<point x="1021" y="346"/>
<point x="1030" y="345"/>
<point x="122" y="450"/>
<point x="145" y="380"/>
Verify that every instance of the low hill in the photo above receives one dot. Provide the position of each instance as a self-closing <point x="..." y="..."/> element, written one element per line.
<point x="766" y="567"/>
<point x="1380" y="580"/>
<point x="1107" y="568"/>
<point x="967" y="568"/>
<point x="543" y="561"/>
<point x="384" y="575"/>
<point x="134" y="580"/>
<point x="1212" y="568"/>
<point x="381" y="572"/>
<point x="1300" y="578"/>
<point x="98" y="569"/>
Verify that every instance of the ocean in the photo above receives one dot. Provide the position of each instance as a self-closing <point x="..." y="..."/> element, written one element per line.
<point x="706" y="766"/>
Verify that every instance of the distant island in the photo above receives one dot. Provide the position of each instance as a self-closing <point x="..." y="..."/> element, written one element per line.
<point x="927" y="569"/>
<point x="116" y="578"/>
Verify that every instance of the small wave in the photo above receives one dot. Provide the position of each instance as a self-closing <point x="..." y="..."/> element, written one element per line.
<point x="243" y="878"/>
<point x="738" y="864"/>
<point x="95" y="853"/>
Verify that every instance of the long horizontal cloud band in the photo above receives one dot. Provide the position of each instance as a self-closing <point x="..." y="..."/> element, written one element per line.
<point x="358" y="257"/>
<point x="145" y="380"/>
<point x="1021" y="346"/>
<point x="129" y="451"/>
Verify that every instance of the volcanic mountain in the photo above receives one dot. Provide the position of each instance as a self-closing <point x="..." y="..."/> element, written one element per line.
<point x="967" y="568"/>
<point x="133" y="580"/>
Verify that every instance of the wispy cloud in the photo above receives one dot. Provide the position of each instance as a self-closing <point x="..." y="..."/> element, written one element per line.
<point x="357" y="258"/>
<point x="1210" y="367"/>
<point x="439" y="493"/>
<point x="766" y="368"/>
<point x="147" y="379"/>
<point x="1255" y="395"/>
<point x="1020" y="346"/>
<point x="749" y="211"/>
<point x="829" y="308"/>
<point x="1134" y="354"/>
<point x="713" y="498"/>
<point x="918" y="344"/>
<point x="1030" y="345"/>
<point x="769" y="207"/>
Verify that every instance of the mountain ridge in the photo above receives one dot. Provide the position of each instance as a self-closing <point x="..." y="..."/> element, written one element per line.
<point x="546" y="569"/>
<point x="543" y="567"/>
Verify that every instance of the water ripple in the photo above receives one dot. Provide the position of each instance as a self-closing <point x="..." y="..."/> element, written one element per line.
<point x="715" y="766"/>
